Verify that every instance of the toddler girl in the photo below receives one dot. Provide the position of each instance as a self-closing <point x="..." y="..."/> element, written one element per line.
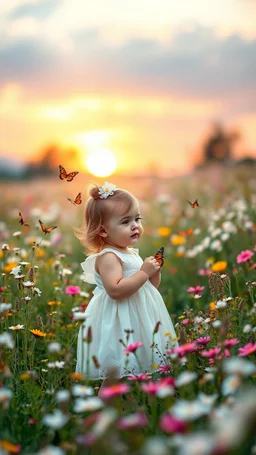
<point x="126" y="299"/>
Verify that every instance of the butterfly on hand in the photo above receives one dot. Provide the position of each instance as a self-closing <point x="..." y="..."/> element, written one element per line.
<point x="21" y="220"/>
<point x="159" y="256"/>
<point x="194" y="204"/>
<point x="65" y="176"/>
<point x="77" y="200"/>
<point x="45" y="229"/>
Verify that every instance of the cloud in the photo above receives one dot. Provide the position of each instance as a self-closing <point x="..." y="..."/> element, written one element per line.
<point x="40" y="11"/>
<point x="193" y="64"/>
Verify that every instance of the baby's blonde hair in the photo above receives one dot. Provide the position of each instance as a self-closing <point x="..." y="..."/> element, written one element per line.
<point x="97" y="211"/>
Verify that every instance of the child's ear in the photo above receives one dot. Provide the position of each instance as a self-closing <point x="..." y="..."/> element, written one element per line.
<point x="102" y="232"/>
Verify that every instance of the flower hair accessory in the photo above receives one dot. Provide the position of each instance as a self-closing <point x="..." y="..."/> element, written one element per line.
<point x="107" y="190"/>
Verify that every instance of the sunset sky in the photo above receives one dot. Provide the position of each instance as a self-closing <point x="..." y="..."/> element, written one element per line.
<point x="144" y="79"/>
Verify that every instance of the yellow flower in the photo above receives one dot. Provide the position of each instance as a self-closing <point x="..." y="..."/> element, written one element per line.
<point x="40" y="253"/>
<point x="55" y="283"/>
<point x="37" y="333"/>
<point x="164" y="231"/>
<point x="155" y="365"/>
<point x="181" y="317"/>
<point x="10" y="447"/>
<point x="177" y="240"/>
<point x="167" y="334"/>
<point x="212" y="306"/>
<point x="179" y="254"/>
<point x="1" y="254"/>
<point x="8" y="267"/>
<point x="175" y="339"/>
<point x="77" y="376"/>
<point x="219" y="266"/>
<point x="25" y="376"/>
<point x="53" y="302"/>
<point x="51" y="261"/>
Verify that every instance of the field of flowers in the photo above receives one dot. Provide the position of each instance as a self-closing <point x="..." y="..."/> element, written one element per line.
<point x="203" y="400"/>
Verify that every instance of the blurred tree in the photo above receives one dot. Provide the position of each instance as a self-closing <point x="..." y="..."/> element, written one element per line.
<point x="49" y="159"/>
<point x="219" y="145"/>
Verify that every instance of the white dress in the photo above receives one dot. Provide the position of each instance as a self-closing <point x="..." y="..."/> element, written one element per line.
<point x="110" y="318"/>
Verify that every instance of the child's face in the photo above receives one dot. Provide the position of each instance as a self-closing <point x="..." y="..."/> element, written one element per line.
<point x="123" y="230"/>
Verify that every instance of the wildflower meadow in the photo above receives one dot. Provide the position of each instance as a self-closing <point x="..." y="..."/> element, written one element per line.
<point x="202" y="399"/>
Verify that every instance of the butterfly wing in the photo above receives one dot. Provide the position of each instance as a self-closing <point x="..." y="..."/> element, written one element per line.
<point x="159" y="256"/>
<point x="21" y="221"/>
<point x="45" y="229"/>
<point x="78" y="199"/>
<point x="71" y="175"/>
<point x="194" y="204"/>
<point x="63" y="173"/>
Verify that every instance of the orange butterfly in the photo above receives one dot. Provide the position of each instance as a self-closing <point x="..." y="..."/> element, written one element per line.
<point x="159" y="256"/>
<point x="185" y="233"/>
<point x="21" y="220"/>
<point x="194" y="204"/>
<point x="45" y="229"/>
<point x="63" y="174"/>
<point x="77" y="200"/>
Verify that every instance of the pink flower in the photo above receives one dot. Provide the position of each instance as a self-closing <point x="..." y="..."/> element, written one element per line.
<point x="196" y="289"/>
<point x="203" y="340"/>
<point x="72" y="290"/>
<point x="151" y="388"/>
<point x="230" y="343"/>
<point x="247" y="349"/>
<point x="164" y="369"/>
<point x="185" y="321"/>
<point x="184" y="349"/>
<point x="132" y="347"/>
<point x="114" y="390"/>
<point x="204" y="272"/>
<point x="211" y="353"/>
<point x="139" y="377"/>
<point x="132" y="421"/>
<point x="169" y="424"/>
<point x="244" y="256"/>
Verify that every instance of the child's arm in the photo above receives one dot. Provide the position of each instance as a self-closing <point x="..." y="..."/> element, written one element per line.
<point x="117" y="287"/>
<point x="156" y="279"/>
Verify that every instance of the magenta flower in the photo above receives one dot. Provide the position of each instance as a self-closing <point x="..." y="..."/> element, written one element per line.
<point x="244" y="256"/>
<point x="203" y="340"/>
<point x="230" y="343"/>
<point x="164" y="369"/>
<point x="139" y="377"/>
<point x="197" y="289"/>
<point x="151" y="388"/>
<point x="114" y="390"/>
<point x="184" y="349"/>
<point x="169" y="424"/>
<point x="72" y="290"/>
<point x="132" y="421"/>
<point x="247" y="349"/>
<point x="132" y="347"/>
<point x="211" y="353"/>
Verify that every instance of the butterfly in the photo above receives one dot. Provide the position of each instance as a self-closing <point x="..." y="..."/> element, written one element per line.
<point x="77" y="200"/>
<point x="63" y="174"/>
<point x="21" y="220"/>
<point x="194" y="204"/>
<point x="159" y="256"/>
<point x="45" y="229"/>
<point x="186" y="233"/>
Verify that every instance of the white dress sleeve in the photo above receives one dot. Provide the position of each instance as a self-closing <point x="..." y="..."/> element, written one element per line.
<point x="88" y="265"/>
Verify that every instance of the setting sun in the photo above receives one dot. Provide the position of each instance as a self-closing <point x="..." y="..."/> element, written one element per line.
<point x="101" y="163"/>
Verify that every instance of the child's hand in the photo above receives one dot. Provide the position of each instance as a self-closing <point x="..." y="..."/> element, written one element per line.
<point x="150" y="266"/>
